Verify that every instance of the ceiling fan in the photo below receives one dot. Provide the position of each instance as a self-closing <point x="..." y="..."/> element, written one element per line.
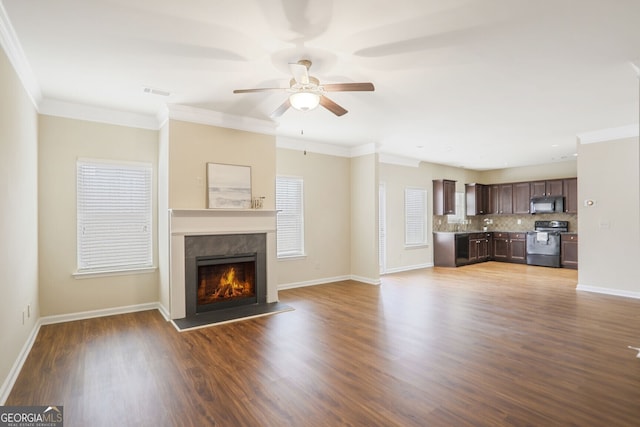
<point x="306" y="92"/>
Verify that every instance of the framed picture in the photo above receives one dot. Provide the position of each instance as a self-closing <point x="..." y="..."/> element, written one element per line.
<point x="228" y="186"/>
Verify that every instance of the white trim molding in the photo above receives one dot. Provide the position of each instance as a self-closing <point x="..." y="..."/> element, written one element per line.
<point x="214" y="118"/>
<point x="608" y="291"/>
<point x="610" y="134"/>
<point x="407" y="268"/>
<point x="312" y="147"/>
<point x="53" y="107"/>
<point x="392" y="159"/>
<point x="10" y="381"/>
<point x="314" y="282"/>
<point x="11" y="45"/>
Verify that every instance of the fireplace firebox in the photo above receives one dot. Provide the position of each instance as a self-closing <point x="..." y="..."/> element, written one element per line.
<point x="225" y="282"/>
<point x="224" y="272"/>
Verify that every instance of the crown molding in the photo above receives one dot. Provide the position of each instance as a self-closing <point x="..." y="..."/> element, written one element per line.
<point x="610" y="134"/>
<point x="312" y="147"/>
<point x="392" y="159"/>
<point x="53" y="107"/>
<point x="214" y="118"/>
<point x="364" y="149"/>
<point x="13" y="49"/>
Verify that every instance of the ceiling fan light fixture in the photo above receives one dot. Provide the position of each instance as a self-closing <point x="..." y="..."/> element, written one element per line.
<point x="304" y="101"/>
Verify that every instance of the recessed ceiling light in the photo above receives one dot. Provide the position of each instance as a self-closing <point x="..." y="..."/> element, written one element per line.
<point x="555" y="145"/>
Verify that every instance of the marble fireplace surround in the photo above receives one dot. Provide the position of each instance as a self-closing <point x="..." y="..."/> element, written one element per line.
<point x="201" y="222"/>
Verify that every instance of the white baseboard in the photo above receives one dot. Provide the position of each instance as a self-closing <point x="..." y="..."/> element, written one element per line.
<point x="326" y="280"/>
<point x="366" y="280"/>
<point x="609" y="291"/>
<point x="7" y="386"/>
<point x="408" y="268"/>
<point x="50" y="320"/>
<point x="9" y="382"/>
<point x="312" y="282"/>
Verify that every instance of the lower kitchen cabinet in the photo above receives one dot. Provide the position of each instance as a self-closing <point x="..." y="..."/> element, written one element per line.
<point x="479" y="247"/>
<point x="510" y="247"/>
<point x="456" y="249"/>
<point x="569" y="250"/>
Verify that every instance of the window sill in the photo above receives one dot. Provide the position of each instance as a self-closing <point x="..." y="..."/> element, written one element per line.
<point x="91" y="274"/>
<point x="420" y="246"/>
<point x="292" y="257"/>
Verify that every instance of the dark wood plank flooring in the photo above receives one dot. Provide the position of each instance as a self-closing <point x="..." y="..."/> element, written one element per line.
<point x="485" y="345"/>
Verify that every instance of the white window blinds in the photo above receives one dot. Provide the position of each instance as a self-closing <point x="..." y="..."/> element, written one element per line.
<point x="415" y="208"/>
<point x="290" y="217"/>
<point x="114" y="216"/>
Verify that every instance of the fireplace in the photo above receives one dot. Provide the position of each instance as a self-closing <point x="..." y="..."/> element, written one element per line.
<point x="225" y="282"/>
<point x="192" y="234"/>
<point x="224" y="271"/>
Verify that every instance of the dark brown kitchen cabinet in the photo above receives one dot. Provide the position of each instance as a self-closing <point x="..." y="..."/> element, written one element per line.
<point x="477" y="199"/>
<point x="502" y="199"/>
<point x="479" y="247"/>
<point x="510" y="247"/>
<point x="521" y="198"/>
<point x="518" y="249"/>
<point x="456" y="249"/>
<point x="552" y="187"/>
<point x="444" y="197"/>
<point x="569" y="250"/>
<point x="570" y="192"/>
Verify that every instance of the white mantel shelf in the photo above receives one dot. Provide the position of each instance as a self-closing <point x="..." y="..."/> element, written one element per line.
<point x="216" y="221"/>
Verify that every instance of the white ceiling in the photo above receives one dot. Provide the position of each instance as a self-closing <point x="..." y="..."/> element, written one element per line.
<point x="481" y="84"/>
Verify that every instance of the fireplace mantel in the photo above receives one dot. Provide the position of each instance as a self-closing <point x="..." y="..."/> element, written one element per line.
<point x="194" y="222"/>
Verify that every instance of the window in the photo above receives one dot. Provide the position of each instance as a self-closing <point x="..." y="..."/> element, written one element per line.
<point x="415" y="214"/>
<point x="459" y="216"/>
<point x="114" y="215"/>
<point x="290" y="217"/>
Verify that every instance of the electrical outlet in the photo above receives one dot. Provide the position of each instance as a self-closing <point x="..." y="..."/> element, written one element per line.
<point x="519" y="221"/>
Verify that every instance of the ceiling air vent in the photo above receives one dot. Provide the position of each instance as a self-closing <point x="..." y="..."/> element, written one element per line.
<point x="152" y="91"/>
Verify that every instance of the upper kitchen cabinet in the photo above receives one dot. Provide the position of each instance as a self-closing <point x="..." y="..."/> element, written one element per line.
<point x="552" y="187"/>
<point x="521" y="198"/>
<point x="570" y="191"/>
<point x="444" y="197"/>
<point x="477" y="197"/>
<point x="501" y="199"/>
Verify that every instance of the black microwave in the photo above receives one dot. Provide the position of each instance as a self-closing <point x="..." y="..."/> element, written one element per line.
<point x="549" y="204"/>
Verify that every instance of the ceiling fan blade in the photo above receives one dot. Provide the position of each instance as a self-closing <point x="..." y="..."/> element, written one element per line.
<point x="264" y="89"/>
<point x="332" y="106"/>
<point x="346" y="87"/>
<point x="300" y="73"/>
<point x="281" y="109"/>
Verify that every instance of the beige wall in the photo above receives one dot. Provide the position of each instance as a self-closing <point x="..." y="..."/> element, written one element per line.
<point x="192" y="146"/>
<point x="609" y="245"/>
<point x="61" y="143"/>
<point x="327" y="207"/>
<point x="396" y="178"/>
<point x="19" y="220"/>
<point x="364" y="219"/>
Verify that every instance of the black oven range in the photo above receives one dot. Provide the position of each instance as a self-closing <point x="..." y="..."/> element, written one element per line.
<point x="543" y="244"/>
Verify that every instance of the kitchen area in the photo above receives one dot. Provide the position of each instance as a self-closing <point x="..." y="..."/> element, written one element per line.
<point x="532" y="222"/>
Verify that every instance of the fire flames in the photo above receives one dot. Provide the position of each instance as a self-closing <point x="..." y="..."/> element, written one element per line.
<point x="228" y="286"/>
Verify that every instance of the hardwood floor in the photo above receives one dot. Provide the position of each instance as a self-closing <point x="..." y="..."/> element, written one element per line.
<point x="484" y="345"/>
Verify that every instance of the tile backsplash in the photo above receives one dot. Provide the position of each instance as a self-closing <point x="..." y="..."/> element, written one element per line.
<point x="503" y="222"/>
